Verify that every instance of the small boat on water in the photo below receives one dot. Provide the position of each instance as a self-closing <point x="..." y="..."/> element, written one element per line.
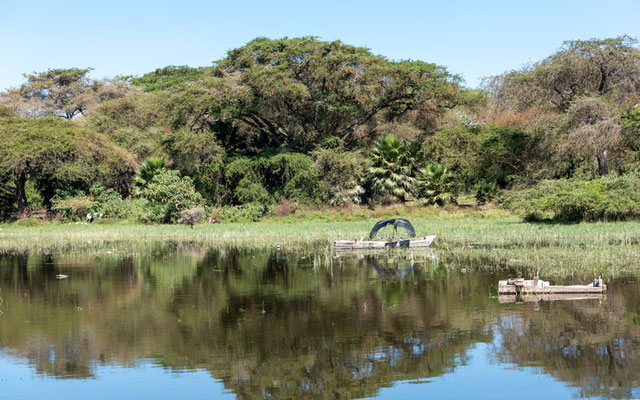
<point x="520" y="286"/>
<point x="379" y="244"/>
<point x="388" y="242"/>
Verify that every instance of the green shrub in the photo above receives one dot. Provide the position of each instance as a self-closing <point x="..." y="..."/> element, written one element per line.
<point x="74" y="206"/>
<point x="8" y="206"/>
<point x="485" y="192"/>
<point x="198" y="155"/>
<point x="110" y="203"/>
<point x="478" y="153"/>
<point x="168" y="194"/>
<point x="251" y="212"/>
<point x="341" y="174"/>
<point x="141" y="210"/>
<point x="250" y="191"/>
<point x="270" y="177"/>
<point x="28" y="222"/>
<point x="609" y="198"/>
<point x="304" y="187"/>
<point x="34" y="197"/>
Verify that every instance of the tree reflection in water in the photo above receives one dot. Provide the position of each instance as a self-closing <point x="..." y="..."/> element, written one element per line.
<point x="593" y="345"/>
<point x="275" y="324"/>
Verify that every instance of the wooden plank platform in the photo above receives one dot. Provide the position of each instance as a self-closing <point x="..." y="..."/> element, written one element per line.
<point x="538" y="286"/>
<point x="381" y="244"/>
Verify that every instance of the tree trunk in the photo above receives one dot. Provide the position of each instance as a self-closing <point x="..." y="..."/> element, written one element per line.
<point x="603" y="167"/>
<point x="21" y="195"/>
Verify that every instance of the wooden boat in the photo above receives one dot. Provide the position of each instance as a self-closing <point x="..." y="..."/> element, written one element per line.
<point x="380" y="244"/>
<point x="520" y="286"/>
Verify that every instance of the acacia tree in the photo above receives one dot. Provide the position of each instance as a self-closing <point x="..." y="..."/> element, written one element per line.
<point x="588" y="83"/>
<point x="64" y="93"/>
<point x="608" y="68"/>
<point x="56" y="154"/>
<point x="593" y="131"/>
<point x="291" y="92"/>
<point x="296" y="90"/>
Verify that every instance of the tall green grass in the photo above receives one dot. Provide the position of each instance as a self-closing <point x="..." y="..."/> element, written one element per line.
<point x="491" y="240"/>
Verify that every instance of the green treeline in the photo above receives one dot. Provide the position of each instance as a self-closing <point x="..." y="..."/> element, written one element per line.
<point x="289" y="123"/>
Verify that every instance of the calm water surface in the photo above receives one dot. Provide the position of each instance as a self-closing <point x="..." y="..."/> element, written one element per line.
<point x="194" y="323"/>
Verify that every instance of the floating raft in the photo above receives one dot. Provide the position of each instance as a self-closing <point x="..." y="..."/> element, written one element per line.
<point x="379" y="244"/>
<point x="519" y="286"/>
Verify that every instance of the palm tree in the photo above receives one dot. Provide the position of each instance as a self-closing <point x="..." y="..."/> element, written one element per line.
<point x="436" y="185"/>
<point x="149" y="169"/>
<point x="391" y="176"/>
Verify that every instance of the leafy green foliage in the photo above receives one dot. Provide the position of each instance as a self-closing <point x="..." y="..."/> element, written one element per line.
<point x="251" y="212"/>
<point x="28" y="222"/>
<point x="150" y="168"/>
<point x="250" y="191"/>
<point x="168" y="194"/>
<point x="199" y="156"/>
<point x="167" y="77"/>
<point x="485" y="192"/>
<point x="481" y="153"/>
<point x="72" y="207"/>
<point x="134" y="122"/>
<point x="34" y="198"/>
<point x="436" y="185"/>
<point x="8" y="112"/>
<point x="609" y="198"/>
<point x="631" y="127"/>
<point x="391" y="175"/>
<point x="294" y="91"/>
<point x="56" y="154"/>
<point x="110" y="203"/>
<point x="270" y="177"/>
<point x="342" y="174"/>
<point x="8" y="208"/>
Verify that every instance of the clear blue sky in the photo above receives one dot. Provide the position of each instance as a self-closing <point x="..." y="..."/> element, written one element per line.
<point x="471" y="38"/>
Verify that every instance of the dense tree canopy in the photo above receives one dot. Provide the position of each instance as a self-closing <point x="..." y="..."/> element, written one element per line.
<point x="305" y="121"/>
<point x="295" y="91"/>
<point x="55" y="154"/>
<point x="575" y="97"/>
<point x="291" y="93"/>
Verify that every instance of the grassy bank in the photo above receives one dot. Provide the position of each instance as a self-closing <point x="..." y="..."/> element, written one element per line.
<point x="490" y="239"/>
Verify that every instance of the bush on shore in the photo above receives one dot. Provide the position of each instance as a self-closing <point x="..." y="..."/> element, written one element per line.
<point x="610" y="198"/>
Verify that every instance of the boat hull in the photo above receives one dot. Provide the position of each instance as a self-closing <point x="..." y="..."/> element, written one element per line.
<point x="380" y="244"/>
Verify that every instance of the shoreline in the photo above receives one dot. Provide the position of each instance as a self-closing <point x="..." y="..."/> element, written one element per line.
<point x="490" y="240"/>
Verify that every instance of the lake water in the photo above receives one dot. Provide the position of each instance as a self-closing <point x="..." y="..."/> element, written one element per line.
<point x="187" y="322"/>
